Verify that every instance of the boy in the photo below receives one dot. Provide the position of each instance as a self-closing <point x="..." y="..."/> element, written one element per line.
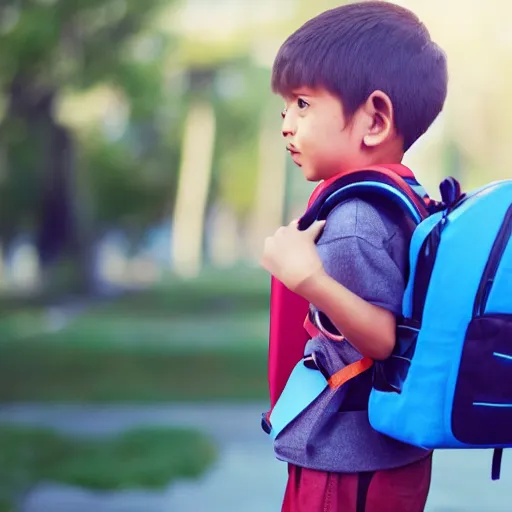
<point x="361" y="84"/>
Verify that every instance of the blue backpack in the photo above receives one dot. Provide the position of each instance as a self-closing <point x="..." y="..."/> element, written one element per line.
<point x="448" y="383"/>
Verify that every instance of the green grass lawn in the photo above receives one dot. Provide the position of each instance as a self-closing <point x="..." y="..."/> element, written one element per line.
<point x="217" y="292"/>
<point x="55" y="372"/>
<point x="213" y="291"/>
<point x="199" y="340"/>
<point x="145" y="458"/>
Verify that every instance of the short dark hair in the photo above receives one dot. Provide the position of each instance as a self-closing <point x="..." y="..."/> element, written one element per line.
<point x="358" y="48"/>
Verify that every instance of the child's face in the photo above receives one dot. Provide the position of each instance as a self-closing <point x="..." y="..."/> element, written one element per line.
<point x="319" y="138"/>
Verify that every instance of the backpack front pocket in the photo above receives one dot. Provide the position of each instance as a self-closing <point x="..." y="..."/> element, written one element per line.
<point x="482" y="405"/>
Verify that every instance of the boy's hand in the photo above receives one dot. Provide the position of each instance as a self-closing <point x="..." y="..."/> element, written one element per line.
<point x="291" y="256"/>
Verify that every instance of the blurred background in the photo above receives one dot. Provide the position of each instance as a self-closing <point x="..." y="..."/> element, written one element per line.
<point x="141" y="168"/>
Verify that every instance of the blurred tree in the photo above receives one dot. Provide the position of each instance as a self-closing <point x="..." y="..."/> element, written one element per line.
<point x="250" y="166"/>
<point x="46" y="50"/>
<point x="195" y="172"/>
<point x="228" y="45"/>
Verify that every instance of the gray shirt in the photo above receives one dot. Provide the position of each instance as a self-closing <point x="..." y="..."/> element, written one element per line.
<point x="365" y="248"/>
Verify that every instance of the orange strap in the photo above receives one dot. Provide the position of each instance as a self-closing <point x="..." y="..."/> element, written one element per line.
<point x="349" y="372"/>
<point x="345" y="374"/>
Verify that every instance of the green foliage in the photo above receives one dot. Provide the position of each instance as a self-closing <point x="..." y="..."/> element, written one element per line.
<point x="127" y="190"/>
<point x="128" y="179"/>
<point x="61" y="47"/>
<point x="243" y="94"/>
<point x="144" y="458"/>
<point x="77" y="43"/>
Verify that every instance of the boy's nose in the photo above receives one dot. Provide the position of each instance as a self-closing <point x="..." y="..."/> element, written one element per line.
<point x="288" y="133"/>
<point x="288" y="128"/>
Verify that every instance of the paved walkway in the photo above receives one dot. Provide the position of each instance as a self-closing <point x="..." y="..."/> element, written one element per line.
<point x="246" y="477"/>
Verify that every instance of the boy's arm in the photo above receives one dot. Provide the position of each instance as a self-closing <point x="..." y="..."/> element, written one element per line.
<point x="291" y="256"/>
<point x="369" y="328"/>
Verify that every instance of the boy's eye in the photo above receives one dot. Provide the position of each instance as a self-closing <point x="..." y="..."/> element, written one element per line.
<point x="302" y="104"/>
<point x="283" y="112"/>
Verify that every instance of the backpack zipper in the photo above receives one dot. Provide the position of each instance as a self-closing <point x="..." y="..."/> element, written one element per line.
<point x="497" y="251"/>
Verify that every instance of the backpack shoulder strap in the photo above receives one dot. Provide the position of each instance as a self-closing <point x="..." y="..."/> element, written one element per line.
<point x="378" y="180"/>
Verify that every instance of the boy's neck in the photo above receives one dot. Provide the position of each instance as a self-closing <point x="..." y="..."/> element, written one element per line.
<point x="393" y="156"/>
<point x="391" y="153"/>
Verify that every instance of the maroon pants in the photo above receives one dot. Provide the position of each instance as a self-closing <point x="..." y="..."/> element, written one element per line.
<point x="403" y="489"/>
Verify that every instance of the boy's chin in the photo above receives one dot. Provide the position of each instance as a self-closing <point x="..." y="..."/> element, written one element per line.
<point x="310" y="174"/>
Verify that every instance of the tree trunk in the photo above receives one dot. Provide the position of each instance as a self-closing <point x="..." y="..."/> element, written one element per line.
<point x="56" y="212"/>
<point x="193" y="187"/>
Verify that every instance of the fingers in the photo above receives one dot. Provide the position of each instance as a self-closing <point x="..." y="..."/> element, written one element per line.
<point x="316" y="228"/>
<point x="268" y="250"/>
<point x="313" y="231"/>
<point x="285" y="229"/>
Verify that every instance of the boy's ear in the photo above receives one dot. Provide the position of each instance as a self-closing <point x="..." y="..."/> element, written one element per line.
<point x="379" y="112"/>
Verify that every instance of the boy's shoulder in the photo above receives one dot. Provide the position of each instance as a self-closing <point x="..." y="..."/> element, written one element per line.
<point x="364" y="247"/>
<point x="368" y="218"/>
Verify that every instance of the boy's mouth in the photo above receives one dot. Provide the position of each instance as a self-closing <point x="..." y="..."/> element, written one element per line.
<point x="296" y="159"/>
<point x="295" y="154"/>
<point x="292" y="149"/>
